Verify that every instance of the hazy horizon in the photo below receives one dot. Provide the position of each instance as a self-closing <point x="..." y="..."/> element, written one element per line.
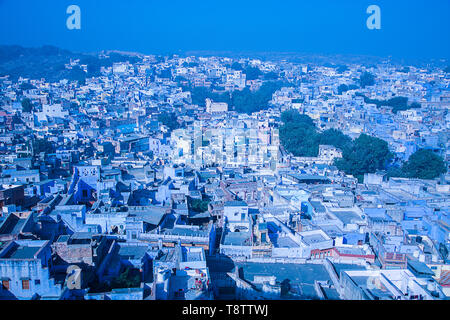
<point x="409" y="29"/>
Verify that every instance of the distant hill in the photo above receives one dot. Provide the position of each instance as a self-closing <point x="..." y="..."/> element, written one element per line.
<point x="49" y="62"/>
<point x="323" y="59"/>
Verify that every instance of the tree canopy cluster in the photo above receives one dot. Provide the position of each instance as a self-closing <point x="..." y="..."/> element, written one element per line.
<point x="243" y="101"/>
<point x="396" y="103"/>
<point x="169" y="119"/>
<point x="422" y="164"/>
<point x="270" y="76"/>
<point x="344" y="88"/>
<point x="42" y="145"/>
<point x="299" y="135"/>
<point x="237" y="66"/>
<point x="27" y="106"/>
<point x="366" y="154"/>
<point x="252" y="73"/>
<point x="247" y="101"/>
<point x="49" y="62"/>
<point x="366" y="79"/>
<point x="26" y="86"/>
<point x="165" y="73"/>
<point x="130" y="278"/>
<point x="198" y="205"/>
<point x="341" y="68"/>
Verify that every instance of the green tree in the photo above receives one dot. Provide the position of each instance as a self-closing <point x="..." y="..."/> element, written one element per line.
<point x="415" y="105"/>
<point x="396" y="103"/>
<point x="342" y="88"/>
<point x="293" y="116"/>
<point x="366" y="79"/>
<point x="405" y="70"/>
<point x="130" y="278"/>
<point x="198" y="205"/>
<point x="335" y="138"/>
<point x="341" y="68"/>
<point x="199" y="95"/>
<point x="300" y="140"/>
<point x="366" y="155"/>
<point x="271" y="76"/>
<point x="168" y="119"/>
<point x="395" y="172"/>
<point x="77" y="74"/>
<point x="26" y="86"/>
<point x="246" y="101"/>
<point x="298" y="134"/>
<point x="165" y="73"/>
<point x="243" y="101"/>
<point x="237" y="66"/>
<point x="42" y="145"/>
<point x="424" y="164"/>
<point x="27" y="106"/>
<point x="252" y="73"/>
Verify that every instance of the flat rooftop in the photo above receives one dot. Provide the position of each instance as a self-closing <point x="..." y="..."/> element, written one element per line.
<point x="190" y="256"/>
<point x="285" y="242"/>
<point x="12" y="225"/>
<point x="237" y="239"/>
<point x="132" y="252"/>
<point x="347" y="217"/>
<point x="313" y="238"/>
<point x="318" y="207"/>
<point x="186" y="231"/>
<point x="351" y="250"/>
<point x="346" y="267"/>
<point x="21" y="252"/>
<point x="300" y="277"/>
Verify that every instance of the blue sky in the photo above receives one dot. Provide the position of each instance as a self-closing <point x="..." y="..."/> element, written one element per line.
<point x="409" y="29"/>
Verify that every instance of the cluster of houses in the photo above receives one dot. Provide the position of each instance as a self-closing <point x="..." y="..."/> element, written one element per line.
<point x="101" y="198"/>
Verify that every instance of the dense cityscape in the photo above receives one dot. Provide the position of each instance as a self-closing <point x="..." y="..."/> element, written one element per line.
<point x="127" y="176"/>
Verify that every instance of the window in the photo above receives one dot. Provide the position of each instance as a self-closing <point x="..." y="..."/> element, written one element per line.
<point x="263" y="237"/>
<point x="37" y="282"/>
<point x="85" y="193"/>
<point x="5" y="284"/>
<point x="25" y="284"/>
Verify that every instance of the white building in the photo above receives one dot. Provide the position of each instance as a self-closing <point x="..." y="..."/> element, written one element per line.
<point x="213" y="107"/>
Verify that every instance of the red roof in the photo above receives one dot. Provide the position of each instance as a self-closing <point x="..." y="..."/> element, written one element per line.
<point x="445" y="278"/>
